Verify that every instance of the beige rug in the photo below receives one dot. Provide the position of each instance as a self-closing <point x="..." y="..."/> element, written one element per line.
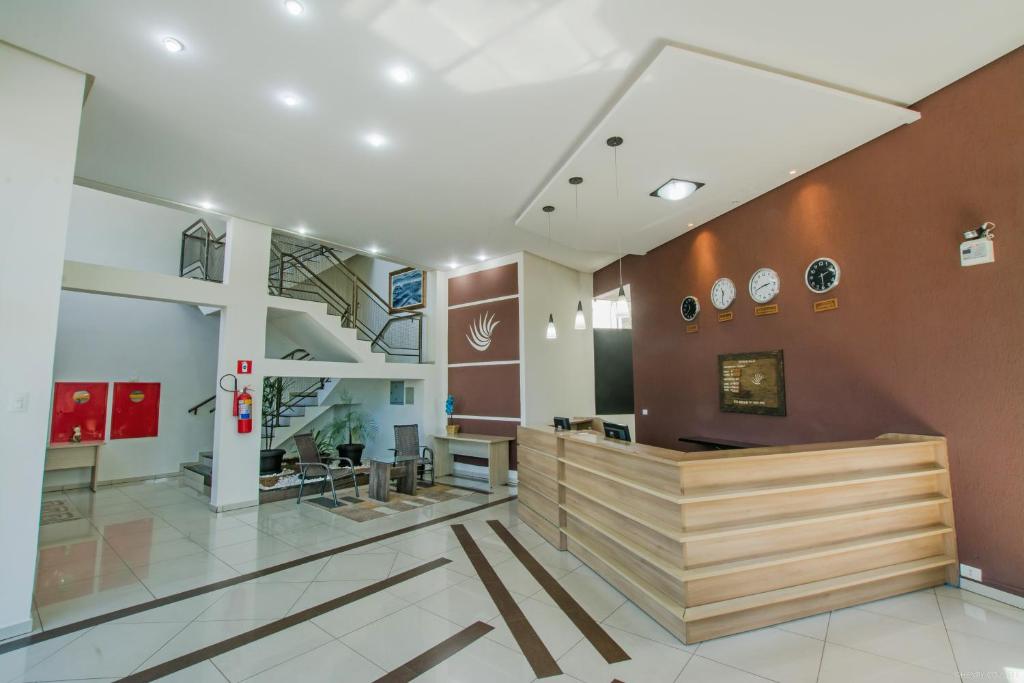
<point x="55" y="511"/>
<point x="363" y="509"/>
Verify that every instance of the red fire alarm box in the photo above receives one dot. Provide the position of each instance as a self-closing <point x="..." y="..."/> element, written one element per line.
<point x="245" y="367"/>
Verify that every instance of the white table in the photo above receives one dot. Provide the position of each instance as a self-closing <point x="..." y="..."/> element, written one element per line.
<point x="493" y="448"/>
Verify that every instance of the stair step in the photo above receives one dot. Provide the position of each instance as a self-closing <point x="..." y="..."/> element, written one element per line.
<point x="766" y="599"/>
<point x="831" y="515"/>
<point x="807" y="483"/>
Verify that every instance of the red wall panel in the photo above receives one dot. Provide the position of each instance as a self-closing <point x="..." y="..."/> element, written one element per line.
<point x="136" y="410"/>
<point x="82" y="404"/>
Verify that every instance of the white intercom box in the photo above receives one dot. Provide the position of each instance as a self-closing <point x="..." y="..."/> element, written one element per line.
<point x="976" y="252"/>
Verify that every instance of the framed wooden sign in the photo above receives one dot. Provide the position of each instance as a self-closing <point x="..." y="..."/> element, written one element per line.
<point x="752" y="383"/>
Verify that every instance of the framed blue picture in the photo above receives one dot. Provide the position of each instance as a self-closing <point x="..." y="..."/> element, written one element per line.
<point x="406" y="289"/>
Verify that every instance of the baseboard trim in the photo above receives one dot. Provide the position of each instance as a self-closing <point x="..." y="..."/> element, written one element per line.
<point x="234" y="506"/>
<point x="110" y="482"/>
<point x="13" y="630"/>
<point x="993" y="593"/>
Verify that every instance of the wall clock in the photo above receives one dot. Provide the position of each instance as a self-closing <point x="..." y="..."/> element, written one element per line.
<point x="689" y="308"/>
<point x="764" y="285"/>
<point x="723" y="293"/>
<point x="822" y="275"/>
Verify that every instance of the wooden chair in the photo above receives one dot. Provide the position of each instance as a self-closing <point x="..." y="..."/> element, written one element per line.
<point x="309" y="459"/>
<point x="407" y="445"/>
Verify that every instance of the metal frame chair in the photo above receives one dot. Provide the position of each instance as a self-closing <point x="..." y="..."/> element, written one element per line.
<point x="309" y="458"/>
<point x="407" y="444"/>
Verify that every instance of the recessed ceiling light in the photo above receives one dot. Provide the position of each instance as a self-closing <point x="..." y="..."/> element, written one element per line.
<point x="290" y="99"/>
<point x="173" y="44"/>
<point x="206" y="204"/>
<point x="400" y="74"/>
<point x="676" y="189"/>
<point x="374" y="250"/>
<point x="689" y="225"/>
<point x="302" y="229"/>
<point x="453" y="264"/>
<point x="294" y="7"/>
<point x="376" y="140"/>
<point x="481" y="257"/>
<point x="793" y="172"/>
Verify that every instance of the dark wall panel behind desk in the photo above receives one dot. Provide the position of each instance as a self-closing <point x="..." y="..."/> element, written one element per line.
<point x="918" y="344"/>
<point x="613" y="371"/>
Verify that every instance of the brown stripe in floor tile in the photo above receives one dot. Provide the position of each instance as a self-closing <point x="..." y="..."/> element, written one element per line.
<point x="420" y="664"/>
<point x="590" y="629"/>
<point x="192" y="658"/>
<point x="533" y="648"/>
<point x="42" y="636"/>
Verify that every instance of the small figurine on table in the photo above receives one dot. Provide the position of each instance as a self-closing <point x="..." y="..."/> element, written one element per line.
<point x="76" y="434"/>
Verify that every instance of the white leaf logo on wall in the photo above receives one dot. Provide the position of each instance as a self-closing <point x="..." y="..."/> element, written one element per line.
<point x="481" y="330"/>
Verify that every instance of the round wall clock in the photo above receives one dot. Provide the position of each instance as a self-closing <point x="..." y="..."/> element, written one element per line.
<point x="723" y="293"/>
<point x="764" y="285"/>
<point x="689" y="308"/>
<point x="822" y="275"/>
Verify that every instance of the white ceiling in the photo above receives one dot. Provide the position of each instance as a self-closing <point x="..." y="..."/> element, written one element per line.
<point x="504" y="92"/>
<point x="739" y="130"/>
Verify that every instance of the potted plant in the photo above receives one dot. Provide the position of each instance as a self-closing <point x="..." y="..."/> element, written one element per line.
<point x="270" y="458"/>
<point x="351" y="431"/>
<point x="449" y="410"/>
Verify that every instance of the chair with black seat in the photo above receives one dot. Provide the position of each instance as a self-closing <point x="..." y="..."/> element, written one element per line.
<point x="310" y="461"/>
<point x="407" y="445"/>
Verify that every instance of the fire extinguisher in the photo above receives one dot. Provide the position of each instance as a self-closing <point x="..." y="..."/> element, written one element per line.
<point x="244" y="411"/>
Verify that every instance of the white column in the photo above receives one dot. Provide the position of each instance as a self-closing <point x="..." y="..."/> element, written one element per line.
<point x="40" y="109"/>
<point x="243" y="326"/>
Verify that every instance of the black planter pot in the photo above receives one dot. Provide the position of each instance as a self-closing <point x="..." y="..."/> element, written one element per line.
<point x="270" y="460"/>
<point x="352" y="451"/>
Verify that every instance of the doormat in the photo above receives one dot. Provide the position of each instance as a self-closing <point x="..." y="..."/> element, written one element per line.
<point x="363" y="509"/>
<point x="55" y="511"/>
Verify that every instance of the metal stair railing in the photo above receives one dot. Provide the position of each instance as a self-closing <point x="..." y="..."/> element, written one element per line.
<point x="294" y="354"/>
<point x="202" y="253"/>
<point x="316" y="272"/>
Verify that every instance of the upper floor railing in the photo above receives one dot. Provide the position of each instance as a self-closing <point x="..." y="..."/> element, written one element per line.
<point x="202" y="253"/>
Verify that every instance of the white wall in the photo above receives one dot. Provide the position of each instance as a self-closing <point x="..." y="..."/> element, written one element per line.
<point x="103" y="338"/>
<point x="39" y="116"/>
<point x="558" y="374"/>
<point x="117" y="231"/>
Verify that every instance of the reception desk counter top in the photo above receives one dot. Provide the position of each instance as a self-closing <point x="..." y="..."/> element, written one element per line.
<point x="716" y="542"/>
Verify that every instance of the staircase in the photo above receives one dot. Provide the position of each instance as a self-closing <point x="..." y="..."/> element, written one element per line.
<point x="311" y="271"/>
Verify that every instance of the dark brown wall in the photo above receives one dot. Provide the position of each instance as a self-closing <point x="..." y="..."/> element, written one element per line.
<point x="480" y="389"/>
<point x="918" y="343"/>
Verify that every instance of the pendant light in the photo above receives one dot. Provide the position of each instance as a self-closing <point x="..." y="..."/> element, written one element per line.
<point x="622" y="303"/>
<point x="551" y="332"/>
<point x="580" y="323"/>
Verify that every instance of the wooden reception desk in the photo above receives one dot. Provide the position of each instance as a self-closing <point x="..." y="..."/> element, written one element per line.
<point x="717" y="542"/>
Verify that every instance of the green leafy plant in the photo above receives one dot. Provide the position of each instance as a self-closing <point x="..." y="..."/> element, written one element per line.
<point x="323" y="440"/>
<point x="351" y="425"/>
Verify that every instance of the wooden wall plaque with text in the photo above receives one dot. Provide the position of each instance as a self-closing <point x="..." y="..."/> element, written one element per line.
<point x="752" y="383"/>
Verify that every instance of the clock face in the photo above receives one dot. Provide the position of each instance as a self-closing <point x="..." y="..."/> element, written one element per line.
<point x="689" y="308"/>
<point x="764" y="285"/>
<point x="822" y="275"/>
<point x="723" y="293"/>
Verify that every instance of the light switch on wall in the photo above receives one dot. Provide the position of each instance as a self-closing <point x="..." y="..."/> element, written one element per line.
<point x="643" y="411"/>
<point x="18" y="403"/>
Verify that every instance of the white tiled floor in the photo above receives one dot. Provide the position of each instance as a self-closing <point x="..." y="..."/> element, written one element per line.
<point x="142" y="541"/>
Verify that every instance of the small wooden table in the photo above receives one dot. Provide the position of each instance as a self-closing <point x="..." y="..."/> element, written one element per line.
<point x="70" y="456"/>
<point x="493" y="448"/>
<point x="381" y="476"/>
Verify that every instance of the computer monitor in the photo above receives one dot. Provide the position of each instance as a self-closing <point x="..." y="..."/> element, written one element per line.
<point x="614" y="431"/>
<point x="562" y="423"/>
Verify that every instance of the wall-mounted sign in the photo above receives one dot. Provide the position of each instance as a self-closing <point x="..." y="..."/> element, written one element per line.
<point x="245" y="367"/>
<point x="79" y="412"/>
<point x="136" y="411"/>
<point x="397" y="392"/>
<point x="690" y="329"/>
<point x="725" y="316"/>
<point x="768" y="309"/>
<point x="752" y="383"/>
<point x="826" y="305"/>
